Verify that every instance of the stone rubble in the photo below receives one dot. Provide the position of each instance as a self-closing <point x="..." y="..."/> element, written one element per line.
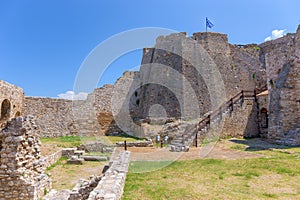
<point x="21" y="165"/>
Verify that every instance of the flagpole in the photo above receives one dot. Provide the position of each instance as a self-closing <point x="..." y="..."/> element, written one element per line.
<point x="206" y="24"/>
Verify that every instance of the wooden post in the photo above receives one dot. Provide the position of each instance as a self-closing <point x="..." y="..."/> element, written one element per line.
<point x="242" y="98"/>
<point x="208" y="122"/>
<point x="196" y="139"/>
<point x="125" y="145"/>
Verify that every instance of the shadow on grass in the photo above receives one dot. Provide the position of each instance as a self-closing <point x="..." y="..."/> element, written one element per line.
<point x="258" y="144"/>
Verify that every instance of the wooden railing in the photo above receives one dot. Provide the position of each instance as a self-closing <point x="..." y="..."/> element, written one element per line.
<point x="205" y="123"/>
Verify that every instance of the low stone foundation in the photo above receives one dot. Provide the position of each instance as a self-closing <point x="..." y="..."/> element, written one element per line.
<point x="83" y="189"/>
<point x="112" y="184"/>
<point x="51" y="159"/>
<point x="96" y="147"/>
<point x="147" y="143"/>
<point x="292" y="138"/>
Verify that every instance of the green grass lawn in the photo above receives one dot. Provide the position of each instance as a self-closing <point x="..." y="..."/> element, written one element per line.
<point x="275" y="176"/>
<point x="72" y="141"/>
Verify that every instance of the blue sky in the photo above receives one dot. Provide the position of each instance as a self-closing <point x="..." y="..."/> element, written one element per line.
<point x="43" y="43"/>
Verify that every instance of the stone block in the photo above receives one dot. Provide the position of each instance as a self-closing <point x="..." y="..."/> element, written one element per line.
<point x="78" y="161"/>
<point x="94" y="158"/>
<point x="68" y="152"/>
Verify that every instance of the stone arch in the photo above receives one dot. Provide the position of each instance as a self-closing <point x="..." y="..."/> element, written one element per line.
<point x="5" y="109"/>
<point x="18" y="114"/>
<point x="264" y="118"/>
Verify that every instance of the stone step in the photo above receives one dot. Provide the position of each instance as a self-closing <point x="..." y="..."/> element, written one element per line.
<point x="75" y="161"/>
<point x="78" y="152"/>
<point x="94" y="158"/>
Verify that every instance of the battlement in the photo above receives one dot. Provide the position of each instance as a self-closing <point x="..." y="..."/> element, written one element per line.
<point x="173" y="36"/>
<point x="210" y="36"/>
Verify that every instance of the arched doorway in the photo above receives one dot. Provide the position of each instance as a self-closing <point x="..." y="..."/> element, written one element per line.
<point x="18" y="114"/>
<point x="5" y="109"/>
<point x="264" y="118"/>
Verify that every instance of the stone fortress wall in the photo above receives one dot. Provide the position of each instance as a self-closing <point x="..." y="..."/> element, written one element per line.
<point x="53" y="116"/>
<point x="60" y="117"/>
<point x="242" y="67"/>
<point x="11" y="101"/>
<point x="273" y="114"/>
<point x="282" y="61"/>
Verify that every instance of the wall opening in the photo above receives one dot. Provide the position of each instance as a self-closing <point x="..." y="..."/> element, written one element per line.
<point x="264" y="117"/>
<point x="18" y="114"/>
<point x="5" y="109"/>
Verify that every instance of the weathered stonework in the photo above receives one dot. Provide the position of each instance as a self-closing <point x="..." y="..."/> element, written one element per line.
<point x="168" y="87"/>
<point x="111" y="185"/>
<point x="54" y="116"/>
<point x="52" y="158"/>
<point x="243" y="120"/>
<point x="240" y="68"/>
<point x="102" y="103"/>
<point x="155" y="93"/>
<point x="21" y="165"/>
<point x="83" y="189"/>
<point x="11" y="102"/>
<point x="60" y="117"/>
<point x="282" y="60"/>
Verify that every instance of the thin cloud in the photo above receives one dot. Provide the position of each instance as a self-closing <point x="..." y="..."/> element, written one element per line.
<point x="276" y="34"/>
<point x="70" y="95"/>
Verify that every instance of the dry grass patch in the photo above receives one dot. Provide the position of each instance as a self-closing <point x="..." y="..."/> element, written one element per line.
<point x="65" y="176"/>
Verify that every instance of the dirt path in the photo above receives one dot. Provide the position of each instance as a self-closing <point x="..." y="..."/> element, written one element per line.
<point x="218" y="151"/>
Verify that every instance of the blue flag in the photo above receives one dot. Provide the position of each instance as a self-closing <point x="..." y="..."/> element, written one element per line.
<point x="209" y="24"/>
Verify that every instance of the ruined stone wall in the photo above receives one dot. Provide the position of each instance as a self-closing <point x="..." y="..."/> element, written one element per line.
<point x="169" y="85"/>
<point x="85" y="118"/>
<point x="53" y="116"/>
<point x="243" y="121"/>
<point x="196" y="74"/>
<point x="275" y="54"/>
<point x="52" y="158"/>
<point x="263" y="115"/>
<point x="240" y="68"/>
<point x="283" y="71"/>
<point x="231" y="61"/>
<point x="111" y="185"/>
<point x="11" y="101"/>
<point x="158" y="78"/>
<point x="102" y="102"/>
<point x="60" y="117"/>
<point x="22" y="168"/>
<point x="83" y="189"/>
<point x="247" y="59"/>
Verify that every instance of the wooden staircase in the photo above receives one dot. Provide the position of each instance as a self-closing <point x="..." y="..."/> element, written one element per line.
<point x="192" y="132"/>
